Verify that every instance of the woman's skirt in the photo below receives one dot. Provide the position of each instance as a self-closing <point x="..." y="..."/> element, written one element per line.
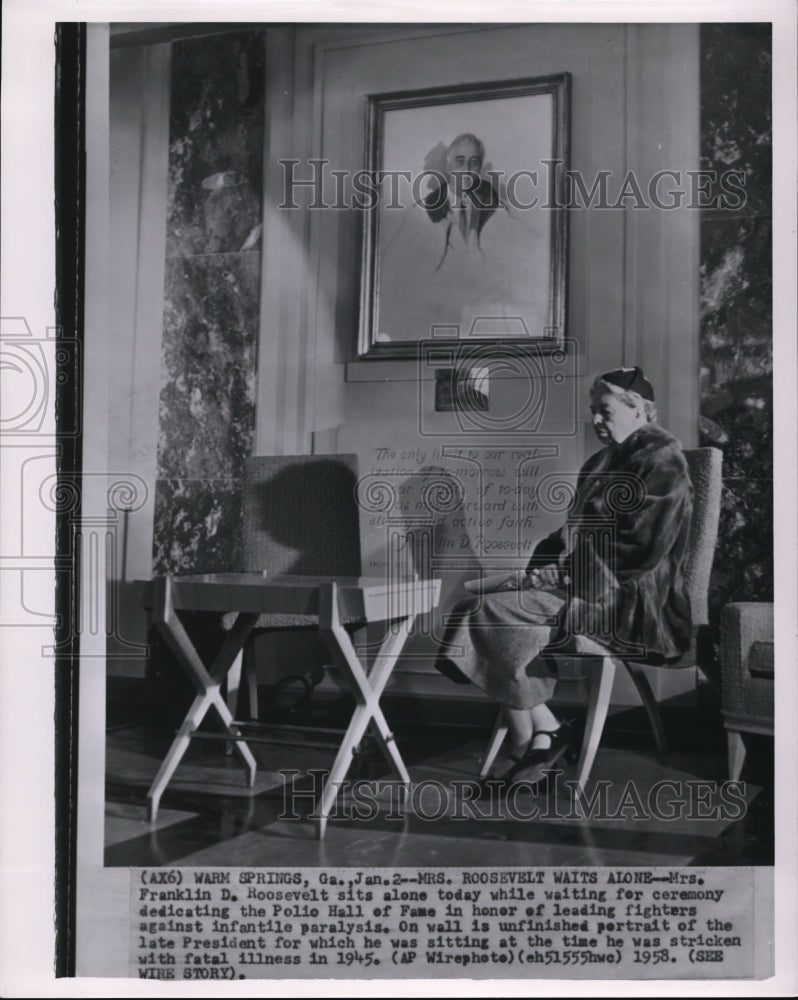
<point x="494" y="640"/>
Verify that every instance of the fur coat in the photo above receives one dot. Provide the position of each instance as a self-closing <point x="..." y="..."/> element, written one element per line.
<point x="622" y="549"/>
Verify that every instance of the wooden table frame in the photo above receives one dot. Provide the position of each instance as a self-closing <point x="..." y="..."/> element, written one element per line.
<point x="329" y="599"/>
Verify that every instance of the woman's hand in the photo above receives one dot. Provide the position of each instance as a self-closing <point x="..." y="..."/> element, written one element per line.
<point x="545" y="577"/>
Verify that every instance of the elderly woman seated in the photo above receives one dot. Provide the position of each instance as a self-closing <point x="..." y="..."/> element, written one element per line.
<point x="612" y="572"/>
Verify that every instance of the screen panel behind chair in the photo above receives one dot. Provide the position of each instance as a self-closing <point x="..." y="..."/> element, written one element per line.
<point x="300" y="515"/>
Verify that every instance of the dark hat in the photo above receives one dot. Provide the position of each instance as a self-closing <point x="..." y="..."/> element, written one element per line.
<point x="631" y="379"/>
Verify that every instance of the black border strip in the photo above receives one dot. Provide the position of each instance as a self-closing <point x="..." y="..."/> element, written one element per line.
<point x="70" y="189"/>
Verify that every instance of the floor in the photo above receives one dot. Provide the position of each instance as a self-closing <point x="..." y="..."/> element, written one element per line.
<point x="648" y="809"/>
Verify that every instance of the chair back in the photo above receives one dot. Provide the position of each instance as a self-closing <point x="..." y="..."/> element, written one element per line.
<point x="300" y="515"/>
<point x="705" y="466"/>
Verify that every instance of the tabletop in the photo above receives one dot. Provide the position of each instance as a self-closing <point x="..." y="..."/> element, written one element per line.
<point x="371" y="597"/>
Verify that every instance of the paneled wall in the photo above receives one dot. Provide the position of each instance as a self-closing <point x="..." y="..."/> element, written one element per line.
<point x="633" y="294"/>
<point x="138" y="102"/>
<point x="186" y="141"/>
<point x="632" y="271"/>
<point x="202" y="291"/>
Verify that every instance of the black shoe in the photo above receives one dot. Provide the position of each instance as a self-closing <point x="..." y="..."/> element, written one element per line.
<point x="529" y="768"/>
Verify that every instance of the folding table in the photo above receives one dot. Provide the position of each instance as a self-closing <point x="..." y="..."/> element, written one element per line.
<point x="330" y="599"/>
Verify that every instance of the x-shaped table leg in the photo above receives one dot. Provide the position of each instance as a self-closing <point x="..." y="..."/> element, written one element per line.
<point x="207" y="682"/>
<point x="367" y="690"/>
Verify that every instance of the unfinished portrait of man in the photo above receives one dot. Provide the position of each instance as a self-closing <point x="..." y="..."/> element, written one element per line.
<point x="461" y="198"/>
<point x="460" y="254"/>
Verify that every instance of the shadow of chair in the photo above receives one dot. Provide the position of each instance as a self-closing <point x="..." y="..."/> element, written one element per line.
<point x="299" y="518"/>
<point x="746" y="660"/>
<point x="705" y="467"/>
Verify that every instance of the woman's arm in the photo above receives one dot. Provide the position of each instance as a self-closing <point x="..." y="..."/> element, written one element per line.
<point x="550" y="549"/>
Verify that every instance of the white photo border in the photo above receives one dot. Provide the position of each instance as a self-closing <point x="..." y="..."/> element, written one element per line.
<point x="26" y="679"/>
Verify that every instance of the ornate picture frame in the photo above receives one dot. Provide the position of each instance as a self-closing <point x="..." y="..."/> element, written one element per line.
<point x="464" y="220"/>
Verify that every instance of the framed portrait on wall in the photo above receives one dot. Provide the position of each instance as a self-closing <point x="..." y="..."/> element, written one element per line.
<point x="464" y="235"/>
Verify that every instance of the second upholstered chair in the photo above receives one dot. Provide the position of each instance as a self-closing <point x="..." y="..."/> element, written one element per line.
<point x="747" y="675"/>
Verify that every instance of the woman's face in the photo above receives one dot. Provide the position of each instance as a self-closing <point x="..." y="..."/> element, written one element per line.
<point x="613" y="421"/>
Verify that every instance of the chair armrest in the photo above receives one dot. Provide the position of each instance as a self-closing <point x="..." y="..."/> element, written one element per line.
<point x="746" y="637"/>
<point x="761" y="660"/>
<point x="741" y="625"/>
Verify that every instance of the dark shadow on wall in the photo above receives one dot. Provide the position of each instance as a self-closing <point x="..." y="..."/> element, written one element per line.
<point x="303" y="517"/>
<point x="436" y="505"/>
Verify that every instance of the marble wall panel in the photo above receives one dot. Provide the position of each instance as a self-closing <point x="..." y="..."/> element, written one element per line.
<point x="744" y="564"/>
<point x="736" y="107"/>
<point x="206" y="413"/>
<point x="207" y="404"/>
<point x="736" y="306"/>
<point x="196" y="526"/>
<point x="216" y="144"/>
